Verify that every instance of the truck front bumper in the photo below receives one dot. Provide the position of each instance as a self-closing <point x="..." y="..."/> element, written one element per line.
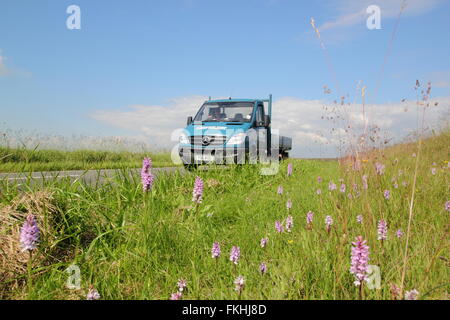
<point x="227" y="155"/>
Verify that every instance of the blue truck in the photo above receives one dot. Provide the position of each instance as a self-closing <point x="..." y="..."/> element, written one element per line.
<point x="230" y="131"/>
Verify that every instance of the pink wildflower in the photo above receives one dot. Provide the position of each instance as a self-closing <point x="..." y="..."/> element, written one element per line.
<point x="239" y="282"/>
<point x="146" y="174"/>
<point x="280" y="190"/>
<point x="379" y="168"/>
<point x="331" y="186"/>
<point x="364" y="180"/>
<point x="289" y="169"/>
<point x="181" y="284"/>
<point x="263" y="268"/>
<point x="235" y="254"/>
<point x="197" y="192"/>
<point x="264" y="242"/>
<point x="412" y="295"/>
<point x="92" y="294"/>
<point x="289" y="204"/>
<point x="279" y="226"/>
<point x="215" y="251"/>
<point x="309" y="219"/>
<point x="328" y="222"/>
<point x="176" y="296"/>
<point x="359" y="218"/>
<point x="289" y="223"/>
<point x="29" y="234"/>
<point x="359" y="260"/>
<point x="382" y="230"/>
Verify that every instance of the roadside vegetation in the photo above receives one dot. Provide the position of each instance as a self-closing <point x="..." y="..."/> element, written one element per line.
<point x="29" y="160"/>
<point x="233" y="233"/>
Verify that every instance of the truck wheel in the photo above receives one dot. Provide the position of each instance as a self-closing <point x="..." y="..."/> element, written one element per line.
<point x="284" y="155"/>
<point x="190" y="167"/>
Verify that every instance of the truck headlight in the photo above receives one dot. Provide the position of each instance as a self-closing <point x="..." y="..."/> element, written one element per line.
<point x="184" y="139"/>
<point x="237" y="138"/>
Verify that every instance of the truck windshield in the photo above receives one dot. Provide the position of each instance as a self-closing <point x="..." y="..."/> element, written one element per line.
<point x="225" y="112"/>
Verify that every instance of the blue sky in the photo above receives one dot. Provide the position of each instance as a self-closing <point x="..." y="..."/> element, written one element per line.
<point x="158" y="53"/>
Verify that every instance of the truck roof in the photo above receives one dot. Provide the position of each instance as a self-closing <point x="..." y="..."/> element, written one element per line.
<point x="235" y="100"/>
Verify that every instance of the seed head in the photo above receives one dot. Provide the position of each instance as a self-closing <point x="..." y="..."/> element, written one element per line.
<point x="395" y="291"/>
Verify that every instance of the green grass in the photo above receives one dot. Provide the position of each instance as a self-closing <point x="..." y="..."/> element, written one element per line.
<point x="27" y="160"/>
<point x="131" y="245"/>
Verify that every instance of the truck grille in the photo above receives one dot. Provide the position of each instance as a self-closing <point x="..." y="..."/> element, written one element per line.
<point x="208" y="140"/>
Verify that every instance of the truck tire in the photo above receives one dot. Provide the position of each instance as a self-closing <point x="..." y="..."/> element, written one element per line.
<point x="284" y="155"/>
<point x="190" y="167"/>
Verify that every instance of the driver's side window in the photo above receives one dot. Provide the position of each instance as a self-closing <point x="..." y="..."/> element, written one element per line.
<point x="259" y="116"/>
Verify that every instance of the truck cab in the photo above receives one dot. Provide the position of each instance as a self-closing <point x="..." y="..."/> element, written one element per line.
<point x="231" y="131"/>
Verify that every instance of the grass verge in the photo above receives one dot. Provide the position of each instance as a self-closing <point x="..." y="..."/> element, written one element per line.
<point x="134" y="245"/>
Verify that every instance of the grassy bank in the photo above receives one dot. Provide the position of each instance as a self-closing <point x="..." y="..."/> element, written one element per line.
<point x="26" y="160"/>
<point x="134" y="245"/>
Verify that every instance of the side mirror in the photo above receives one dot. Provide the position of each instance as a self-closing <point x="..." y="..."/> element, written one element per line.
<point x="189" y="120"/>
<point x="266" y="120"/>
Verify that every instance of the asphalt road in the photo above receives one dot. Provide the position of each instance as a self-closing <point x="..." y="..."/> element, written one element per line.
<point x="89" y="176"/>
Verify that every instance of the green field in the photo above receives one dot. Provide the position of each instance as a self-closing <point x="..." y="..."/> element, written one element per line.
<point x="134" y="245"/>
<point x="28" y="160"/>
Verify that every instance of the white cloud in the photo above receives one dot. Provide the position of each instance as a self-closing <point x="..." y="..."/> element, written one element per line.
<point x="155" y="122"/>
<point x="7" y="71"/>
<point x="3" y="70"/>
<point x="440" y="79"/>
<point x="316" y="127"/>
<point x="352" y="12"/>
